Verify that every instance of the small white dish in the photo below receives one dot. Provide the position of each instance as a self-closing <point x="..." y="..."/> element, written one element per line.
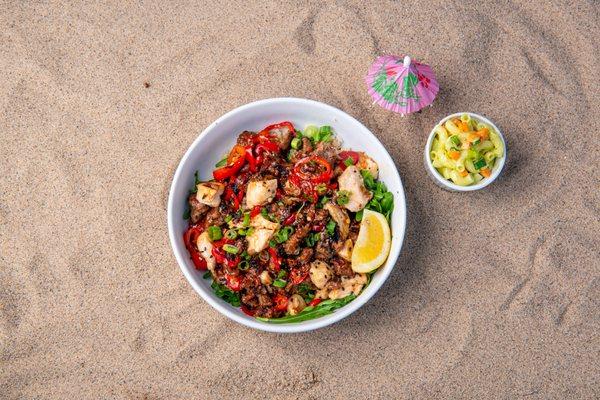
<point x="449" y="185"/>
<point x="218" y="138"/>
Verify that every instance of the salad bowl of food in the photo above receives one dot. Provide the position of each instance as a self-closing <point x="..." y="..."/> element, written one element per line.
<point x="465" y="152"/>
<point x="286" y="215"/>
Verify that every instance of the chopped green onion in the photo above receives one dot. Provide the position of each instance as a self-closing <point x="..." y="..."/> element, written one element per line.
<point x="311" y="132"/>
<point x="454" y="139"/>
<point x="479" y="163"/>
<point x="246" y="221"/>
<point x="214" y="233"/>
<point x="231" y="249"/>
<point x="348" y="162"/>
<point x="312" y="239"/>
<point x="243" y="265"/>
<point x="325" y="134"/>
<point x="231" y="234"/>
<point x="321" y="189"/>
<point x="245" y="255"/>
<point x="296" y="143"/>
<point x="283" y="234"/>
<point x="343" y="197"/>
<point x="221" y="163"/>
<point x="228" y="218"/>
<point x="282" y="273"/>
<point x="186" y="213"/>
<point x="323" y="201"/>
<point x="330" y="228"/>
<point x="264" y="213"/>
<point x="206" y="275"/>
<point x="280" y="283"/>
<point x="272" y="243"/>
<point x="359" y="215"/>
<point x="477" y="141"/>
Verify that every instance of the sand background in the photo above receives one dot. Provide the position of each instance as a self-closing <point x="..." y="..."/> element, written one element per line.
<point x="496" y="294"/>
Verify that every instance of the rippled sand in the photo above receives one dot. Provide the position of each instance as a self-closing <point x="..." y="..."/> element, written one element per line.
<point x="496" y="294"/>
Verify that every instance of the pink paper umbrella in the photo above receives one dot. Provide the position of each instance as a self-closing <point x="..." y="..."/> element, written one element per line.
<point x="402" y="86"/>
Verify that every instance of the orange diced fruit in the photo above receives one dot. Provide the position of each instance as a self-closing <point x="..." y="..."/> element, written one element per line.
<point x="453" y="154"/>
<point x="486" y="172"/>
<point x="463" y="173"/>
<point x="464" y="126"/>
<point x="484" y="133"/>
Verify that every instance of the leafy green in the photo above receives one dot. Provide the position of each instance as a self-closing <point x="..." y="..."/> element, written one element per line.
<point x="221" y="163"/>
<point x="311" y="312"/>
<point x="227" y="295"/>
<point x="368" y="179"/>
<point x="196" y="182"/>
<point x="207" y="275"/>
<point x="186" y="213"/>
<point x="382" y="201"/>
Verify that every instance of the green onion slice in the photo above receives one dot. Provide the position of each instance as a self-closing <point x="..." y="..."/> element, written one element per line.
<point x="280" y="283"/>
<point x="231" y="249"/>
<point x="214" y="233"/>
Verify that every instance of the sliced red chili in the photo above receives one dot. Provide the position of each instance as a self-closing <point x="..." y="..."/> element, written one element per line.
<point x="228" y="171"/>
<point x="281" y="302"/>
<point x="219" y="254"/>
<point x="298" y="276"/>
<point x="255" y="211"/>
<point x="199" y="262"/>
<point x="275" y="259"/>
<point x="247" y="311"/>
<point x="189" y="239"/>
<point x="249" y="156"/>
<point x="234" y="282"/>
<point x="267" y="146"/>
<point x="283" y="124"/>
<point x="324" y="175"/>
<point x="290" y="220"/>
<point x="314" y="302"/>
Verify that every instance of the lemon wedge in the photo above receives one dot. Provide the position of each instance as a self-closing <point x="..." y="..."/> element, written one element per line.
<point x="373" y="243"/>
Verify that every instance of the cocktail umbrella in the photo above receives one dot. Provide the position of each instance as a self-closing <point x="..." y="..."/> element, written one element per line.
<point x="401" y="85"/>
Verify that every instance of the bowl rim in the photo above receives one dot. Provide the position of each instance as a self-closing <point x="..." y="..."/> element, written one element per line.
<point x="398" y="234"/>
<point x="450" y="185"/>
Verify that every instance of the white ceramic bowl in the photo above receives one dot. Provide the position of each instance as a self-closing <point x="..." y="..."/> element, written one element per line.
<point x="449" y="185"/>
<point x="218" y="139"/>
